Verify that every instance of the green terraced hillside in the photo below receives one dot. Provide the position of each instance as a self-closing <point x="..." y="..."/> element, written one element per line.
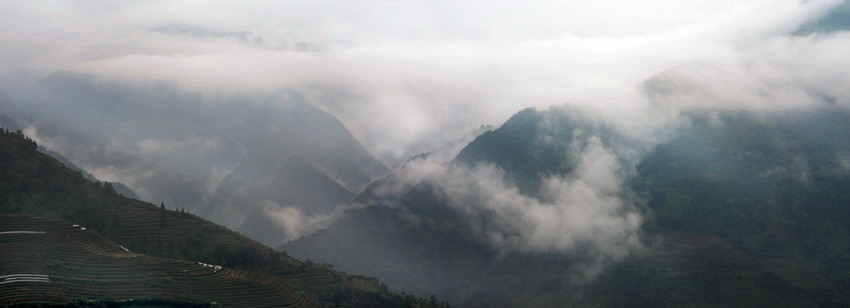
<point x="34" y="184"/>
<point x="52" y="260"/>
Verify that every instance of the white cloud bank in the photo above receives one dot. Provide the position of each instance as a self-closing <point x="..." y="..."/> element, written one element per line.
<point x="405" y="76"/>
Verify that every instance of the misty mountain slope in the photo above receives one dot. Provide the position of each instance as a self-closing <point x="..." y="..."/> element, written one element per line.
<point x="755" y="166"/>
<point x="693" y="270"/>
<point x="837" y="19"/>
<point x="11" y="125"/>
<point x="303" y="133"/>
<point x="35" y="184"/>
<point x="118" y="186"/>
<point x="308" y="162"/>
<point x="8" y="123"/>
<point x="672" y="153"/>
<point x="199" y="151"/>
<point x="297" y="184"/>
<point x="430" y="246"/>
<point x="776" y="187"/>
<point x="518" y="148"/>
<point x="534" y="145"/>
<point x="761" y="200"/>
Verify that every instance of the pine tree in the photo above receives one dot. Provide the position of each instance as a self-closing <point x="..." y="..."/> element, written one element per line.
<point x="162" y="214"/>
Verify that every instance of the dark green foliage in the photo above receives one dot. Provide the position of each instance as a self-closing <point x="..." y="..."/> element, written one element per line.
<point x="777" y="186"/>
<point x="748" y="211"/>
<point x="524" y="147"/>
<point x="33" y="183"/>
<point x="162" y="213"/>
<point x="257" y="135"/>
<point x="111" y="303"/>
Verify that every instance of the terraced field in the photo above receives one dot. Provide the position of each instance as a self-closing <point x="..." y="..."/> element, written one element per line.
<point x="131" y="248"/>
<point x="54" y="261"/>
<point x="146" y="228"/>
<point x="141" y="227"/>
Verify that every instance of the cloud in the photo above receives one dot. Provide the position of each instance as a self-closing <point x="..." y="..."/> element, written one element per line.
<point x="293" y="221"/>
<point x="195" y="31"/>
<point x="587" y="213"/>
<point x="843" y="159"/>
<point x="778" y="74"/>
<point x="175" y="171"/>
<point x="406" y="77"/>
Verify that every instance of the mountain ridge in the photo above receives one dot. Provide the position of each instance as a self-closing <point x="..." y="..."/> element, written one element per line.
<point x="198" y="151"/>
<point x="33" y="183"/>
<point x="701" y="235"/>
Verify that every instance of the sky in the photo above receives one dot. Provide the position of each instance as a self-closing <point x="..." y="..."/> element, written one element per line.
<point x="408" y="76"/>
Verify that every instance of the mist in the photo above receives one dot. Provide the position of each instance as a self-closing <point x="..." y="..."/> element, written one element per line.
<point x="405" y="78"/>
<point x="171" y="98"/>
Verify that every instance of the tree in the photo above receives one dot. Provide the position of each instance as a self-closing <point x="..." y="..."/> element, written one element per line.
<point x="162" y="214"/>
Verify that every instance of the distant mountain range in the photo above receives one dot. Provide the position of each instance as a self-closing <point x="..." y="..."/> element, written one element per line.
<point x="739" y="210"/>
<point x="233" y="159"/>
<point x="10" y="124"/>
<point x="736" y="209"/>
<point x="556" y="207"/>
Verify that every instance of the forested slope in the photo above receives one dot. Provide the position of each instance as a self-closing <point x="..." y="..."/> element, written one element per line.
<point x="32" y="183"/>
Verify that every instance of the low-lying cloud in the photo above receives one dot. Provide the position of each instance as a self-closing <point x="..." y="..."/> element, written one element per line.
<point x="293" y="221"/>
<point x="587" y="213"/>
<point x="406" y="77"/>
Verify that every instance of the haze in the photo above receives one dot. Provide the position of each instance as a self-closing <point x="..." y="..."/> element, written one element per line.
<point x="406" y="77"/>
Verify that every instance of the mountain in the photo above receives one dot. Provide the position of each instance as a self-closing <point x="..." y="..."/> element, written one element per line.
<point x="310" y="163"/>
<point x="8" y="123"/>
<point x="739" y="210"/>
<point x="231" y="158"/>
<point x="118" y="186"/>
<point x="76" y="263"/>
<point x="11" y="125"/>
<point x="837" y="19"/>
<point x="94" y="237"/>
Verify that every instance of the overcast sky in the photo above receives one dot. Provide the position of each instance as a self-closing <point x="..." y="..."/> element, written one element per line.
<point x="406" y="76"/>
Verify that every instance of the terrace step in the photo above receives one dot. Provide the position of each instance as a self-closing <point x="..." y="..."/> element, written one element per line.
<point x="55" y="261"/>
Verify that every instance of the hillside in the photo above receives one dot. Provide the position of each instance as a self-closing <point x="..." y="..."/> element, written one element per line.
<point x="750" y="212"/>
<point x="8" y="123"/>
<point x="32" y="183"/>
<point x="72" y="262"/>
<point x="306" y="161"/>
<point x="118" y="186"/>
<point x="226" y="158"/>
